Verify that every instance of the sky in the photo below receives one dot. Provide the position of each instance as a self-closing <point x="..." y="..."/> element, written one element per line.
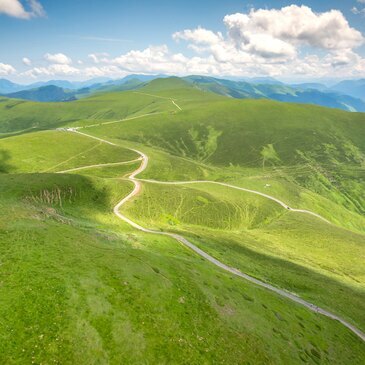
<point x="83" y="39"/>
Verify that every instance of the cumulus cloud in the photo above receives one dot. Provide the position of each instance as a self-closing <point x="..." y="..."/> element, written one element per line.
<point x="343" y="58"/>
<point x="151" y="59"/>
<point x="6" y="69"/>
<point x="199" y="36"/>
<point x="58" y="58"/>
<point x="273" y="41"/>
<point x="52" y="70"/>
<point x="16" y="9"/>
<point x="296" y="25"/>
<point x="26" y="61"/>
<point x="276" y="34"/>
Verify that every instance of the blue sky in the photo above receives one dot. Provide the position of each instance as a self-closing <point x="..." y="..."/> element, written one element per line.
<point x="80" y="39"/>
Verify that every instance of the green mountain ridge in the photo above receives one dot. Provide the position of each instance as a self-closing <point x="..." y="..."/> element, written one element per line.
<point x="251" y="89"/>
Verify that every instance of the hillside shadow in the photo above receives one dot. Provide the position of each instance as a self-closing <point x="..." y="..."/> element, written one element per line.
<point x="5" y="166"/>
<point x="70" y="194"/>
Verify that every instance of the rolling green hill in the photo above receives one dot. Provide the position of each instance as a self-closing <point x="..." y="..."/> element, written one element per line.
<point x="320" y="149"/>
<point x="18" y="115"/>
<point x="79" y="285"/>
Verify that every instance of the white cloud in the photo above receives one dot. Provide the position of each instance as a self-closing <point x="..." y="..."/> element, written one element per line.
<point x="26" y="61"/>
<point x="98" y="57"/>
<point x="266" y="46"/>
<point x="296" y="25"/>
<point x="36" y="8"/>
<point x="358" y="11"/>
<point x="16" y="9"/>
<point x="59" y="58"/>
<point x="151" y="59"/>
<point x="52" y="70"/>
<point x="199" y="36"/>
<point x="6" y="69"/>
<point x="104" y="71"/>
<point x="343" y="58"/>
<point x="276" y="34"/>
<point x="272" y="42"/>
<point x="159" y="59"/>
<point x="59" y="69"/>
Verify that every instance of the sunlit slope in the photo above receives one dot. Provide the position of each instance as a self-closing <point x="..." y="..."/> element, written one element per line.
<point x="320" y="149"/>
<point x="300" y="253"/>
<point x="186" y="95"/>
<point x="52" y="151"/>
<point x="242" y="132"/>
<point x="79" y="286"/>
<point x="18" y="115"/>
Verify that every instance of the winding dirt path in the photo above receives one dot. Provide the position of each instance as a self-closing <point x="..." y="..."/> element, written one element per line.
<point x="160" y="97"/>
<point x="99" y="165"/>
<point x="284" y="205"/>
<point x="118" y="121"/>
<point x="137" y="188"/>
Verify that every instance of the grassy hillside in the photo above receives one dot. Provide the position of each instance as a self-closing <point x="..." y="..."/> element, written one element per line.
<point x="320" y="150"/>
<point x="20" y="114"/>
<point x="78" y="285"/>
<point x="251" y="126"/>
<point x="53" y="151"/>
<point x="293" y="251"/>
<point x="101" y="293"/>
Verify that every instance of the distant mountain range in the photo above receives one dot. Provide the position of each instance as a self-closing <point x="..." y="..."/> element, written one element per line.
<point x="307" y="93"/>
<point x="45" y="94"/>
<point x="347" y="95"/>
<point x="355" y="88"/>
<point x="7" y="87"/>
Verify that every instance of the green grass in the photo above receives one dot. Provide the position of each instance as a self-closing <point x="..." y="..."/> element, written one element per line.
<point x="277" y="124"/>
<point x="78" y="285"/>
<point x="113" y="295"/>
<point x="205" y="205"/>
<point x="318" y="153"/>
<point x="19" y="114"/>
<point x="52" y="151"/>
<point x="251" y="232"/>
